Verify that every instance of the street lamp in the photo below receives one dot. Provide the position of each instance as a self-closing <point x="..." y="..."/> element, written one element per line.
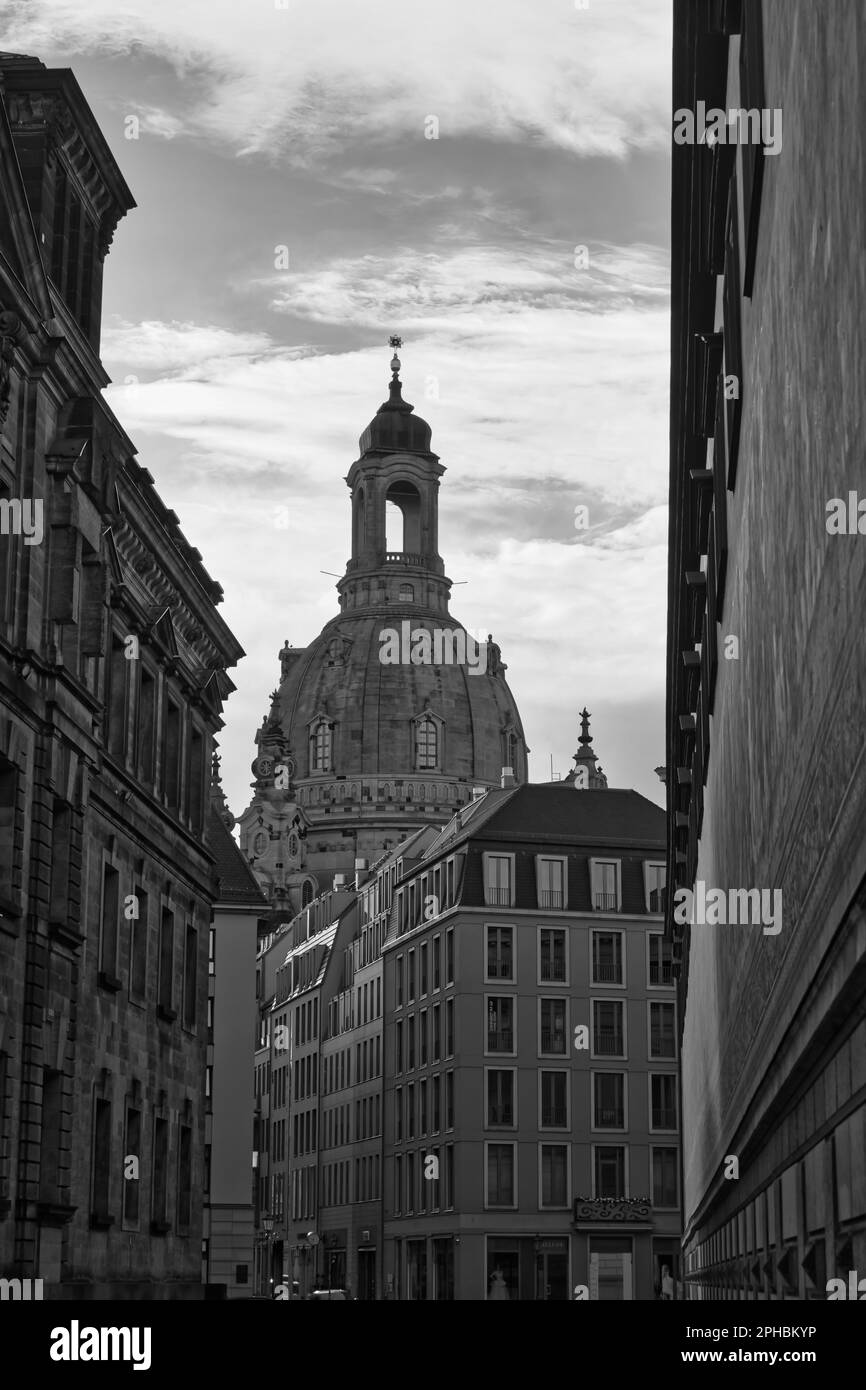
<point x="267" y="1227"/>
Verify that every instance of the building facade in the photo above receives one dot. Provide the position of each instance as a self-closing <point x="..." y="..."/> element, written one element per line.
<point x="113" y="662"/>
<point x="394" y="713"/>
<point x="767" y="646"/>
<point x="531" y="1144"/>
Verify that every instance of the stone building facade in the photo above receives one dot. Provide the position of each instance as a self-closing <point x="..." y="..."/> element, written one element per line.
<point x="113" y="662"/>
<point x="391" y="716"/>
<point x="766" y="741"/>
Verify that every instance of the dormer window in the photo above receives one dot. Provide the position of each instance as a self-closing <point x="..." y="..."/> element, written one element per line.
<point x="407" y="593"/>
<point x="320" y="746"/>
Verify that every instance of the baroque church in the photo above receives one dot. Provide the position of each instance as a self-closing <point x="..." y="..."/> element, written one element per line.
<point x="355" y="754"/>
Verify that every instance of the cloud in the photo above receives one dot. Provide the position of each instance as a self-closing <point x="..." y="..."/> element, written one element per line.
<point x="303" y="81"/>
<point x="158" y="346"/>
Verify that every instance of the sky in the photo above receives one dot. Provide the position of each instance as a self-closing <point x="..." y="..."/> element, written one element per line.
<point x="491" y="182"/>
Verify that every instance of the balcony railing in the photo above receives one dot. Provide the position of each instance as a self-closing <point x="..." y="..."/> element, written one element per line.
<point x="661" y="972"/>
<point x="610" y="1119"/>
<point x="502" y="1040"/>
<point x="664" y="1117"/>
<point x="498" y="968"/>
<point x="605" y="902"/>
<point x="553" y="1040"/>
<point x="501" y="1115"/>
<point x="662" y="1045"/>
<point x="607" y="972"/>
<point x="551" y="897"/>
<point x="497" y="897"/>
<point x="608" y="1042"/>
<point x="554" y="1116"/>
<point x="657" y="900"/>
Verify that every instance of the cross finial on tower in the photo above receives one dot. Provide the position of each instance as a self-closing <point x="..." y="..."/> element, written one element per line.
<point x="584" y="727"/>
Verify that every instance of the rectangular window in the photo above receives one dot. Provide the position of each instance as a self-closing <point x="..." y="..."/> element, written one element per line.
<point x="500" y="1097"/>
<point x="410" y="992"/>
<point x="436" y="1085"/>
<point x="554" y="1100"/>
<point x="51" y="1136"/>
<point x="116" y="702"/>
<point x="551" y="882"/>
<point x="399" y="982"/>
<point x="410" y="1182"/>
<point x="138" y="947"/>
<point x="398" y="1183"/>
<point x="171" y="756"/>
<point x="607" y="958"/>
<point x="552" y="965"/>
<point x="61" y="846"/>
<point x="398" y="1040"/>
<point x="500" y="1175"/>
<point x="500" y="953"/>
<point x="410" y="1031"/>
<point x="665" y="1187"/>
<point x="554" y="1175"/>
<point x="449" y="956"/>
<point x="422" y="1037"/>
<point x="449" y="1100"/>
<point x="608" y="1036"/>
<point x="422" y="1108"/>
<point x="437" y="953"/>
<point x="195" y="778"/>
<point x="449" y="1176"/>
<point x="609" y="1100"/>
<point x="159" y="1198"/>
<point x="449" y="1027"/>
<point x="101" y="1159"/>
<point x="500" y="1023"/>
<point x="497" y="880"/>
<point x="8" y="853"/>
<point x="184" y="1178"/>
<point x="553" y="1040"/>
<point x="110" y="910"/>
<point x="654" y="879"/>
<point x="660" y="960"/>
<point x="146" y="725"/>
<point x="437" y="1032"/>
<point x="190" y="976"/>
<point x="166" y="961"/>
<point x="422" y="952"/>
<point x="605" y="884"/>
<point x="663" y="1038"/>
<point x="609" y="1171"/>
<point x="132" y="1185"/>
<point x="663" y="1103"/>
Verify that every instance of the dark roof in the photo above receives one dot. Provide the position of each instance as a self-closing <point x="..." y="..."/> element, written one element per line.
<point x="237" y="883"/>
<point x="560" y="811"/>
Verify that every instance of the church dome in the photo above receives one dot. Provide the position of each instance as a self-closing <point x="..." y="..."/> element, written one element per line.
<point x="394" y="426"/>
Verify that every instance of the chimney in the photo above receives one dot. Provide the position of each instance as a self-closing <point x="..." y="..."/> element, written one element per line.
<point x="478" y="792"/>
<point x="362" y="872"/>
<point x="508" y="778"/>
<point x="339" y="882"/>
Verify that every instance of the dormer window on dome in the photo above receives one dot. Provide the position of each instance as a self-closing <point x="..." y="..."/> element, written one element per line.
<point x="320" y="746"/>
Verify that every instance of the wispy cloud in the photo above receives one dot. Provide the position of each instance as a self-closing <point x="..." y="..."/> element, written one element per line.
<point x="306" y="79"/>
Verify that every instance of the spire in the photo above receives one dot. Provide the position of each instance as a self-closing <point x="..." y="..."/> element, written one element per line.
<point x="587" y="770"/>
<point x="217" y="795"/>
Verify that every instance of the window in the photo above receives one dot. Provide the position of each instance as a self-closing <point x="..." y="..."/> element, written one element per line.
<point x="184" y="1178"/>
<point x="406" y="593"/>
<point x="552" y="964"/>
<point x="608" y="1036"/>
<point x="398" y="1040"/>
<point x="410" y="1110"/>
<point x="554" y="1175"/>
<point x="605" y="884"/>
<point x="660" y="960"/>
<point x="498" y="880"/>
<point x="101" y="1160"/>
<point x="500" y="953"/>
<point x="449" y="1100"/>
<point x="8" y="853"/>
<point x="422" y="1108"/>
<point x="171" y="756"/>
<point x="436" y="1092"/>
<point x="132" y="1149"/>
<point x="551" y="882"/>
<point x="422" y="1038"/>
<point x="190" y="976"/>
<point x="410" y="1182"/>
<point x="654" y="887"/>
<point x="108" y="940"/>
<point x="116" y="698"/>
<point x="159" y="1197"/>
<point x="607" y="958"/>
<point x="665" y="1187"/>
<point x="663" y="1038"/>
<point x="166" y="962"/>
<point x="437" y="953"/>
<point x="437" y="1032"/>
<point x="500" y="1023"/>
<point x="449" y="956"/>
<point x="609" y="1100"/>
<point x="426" y="743"/>
<point x="398" y="1183"/>
<point x="422" y="954"/>
<point x="554" y="1100"/>
<point x="609" y="1170"/>
<point x="138" y="947"/>
<point x="449" y="1027"/>
<point x="320" y="746"/>
<point x="61" y="845"/>
<point x="500" y="1175"/>
<point x="410" y="994"/>
<point x="410" y="1031"/>
<point x="146" y="725"/>
<point x="663" y="1100"/>
<point x="500" y="1097"/>
<point x="552" y="1016"/>
<point x="449" y="1175"/>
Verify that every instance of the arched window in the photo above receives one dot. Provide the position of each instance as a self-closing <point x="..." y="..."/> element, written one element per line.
<point x="320" y="747"/>
<point x="407" y="593"/>
<point x="307" y="893"/>
<point x="426" y="743"/>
